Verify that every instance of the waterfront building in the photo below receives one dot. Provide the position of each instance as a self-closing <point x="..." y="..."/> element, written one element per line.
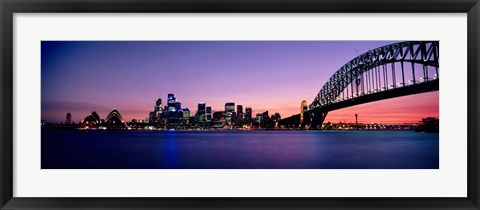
<point x="91" y="119"/>
<point x="177" y="105"/>
<point x="239" y="109"/>
<point x="152" y="117"/>
<point x="276" y="117"/>
<point x="218" y="119"/>
<point x="158" y="112"/>
<point x="186" y="115"/>
<point x="202" y="106"/>
<point x="217" y="116"/>
<point x="209" y="113"/>
<point x="248" y="114"/>
<point x="240" y="115"/>
<point x="68" y="120"/>
<point x="229" y="112"/>
<point x="258" y="118"/>
<point x="201" y="112"/>
<point x="114" y="118"/>
<point x="158" y="105"/>
<point x="230" y="107"/>
<point x="171" y="102"/>
<point x="174" y="118"/>
<point x="228" y="118"/>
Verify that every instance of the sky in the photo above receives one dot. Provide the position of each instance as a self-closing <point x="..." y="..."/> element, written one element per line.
<point x="81" y="76"/>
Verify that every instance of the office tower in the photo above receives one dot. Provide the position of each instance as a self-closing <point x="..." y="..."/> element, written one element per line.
<point x="240" y="115"/>
<point x="171" y="102"/>
<point x="186" y="114"/>
<point x="201" y="108"/>
<point x="177" y="105"/>
<point x="230" y="107"/>
<point x="248" y="113"/>
<point x="201" y="112"/>
<point x="158" y="104"/>
<point x="239" y="109"/>
<point x="69" y="118"/>
<point x="209" y="113"/>
<point x="218" y="116"/>
<point x="152" y="117"/>
<point x="229" y="112"/>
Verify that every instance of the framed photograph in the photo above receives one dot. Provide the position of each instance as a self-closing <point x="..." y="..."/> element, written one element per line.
<point x="239" y="105"/>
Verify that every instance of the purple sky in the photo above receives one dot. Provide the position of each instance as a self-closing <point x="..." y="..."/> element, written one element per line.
<point x="78" y="76"/>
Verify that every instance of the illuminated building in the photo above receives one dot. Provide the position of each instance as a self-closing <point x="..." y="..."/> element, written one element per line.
<point x="173" y="112"/>
<point x="177" y="105"/>
<point x="209" y="113"/>
<point x="186" y="115"/>
<point x="152" y="117"/>
<point x="240" y="114"/>
<point x="91" y="119"/>
<point x="69" y="118"/>
<point x="303" y="109"/>
<point x="158" y="105"/>
<point x="229" y="112"/>
<point x="218" y="119"/>
<point x="114" y="118"/>
<point x="201" y="112"/>
<point x="158" y="111"/>
<point x="201" y="108"/>
<point x="259" y="117"/>
<point x="276" y="117"/>
<point x="230" y="107"/>
<point x="171" y="102"/>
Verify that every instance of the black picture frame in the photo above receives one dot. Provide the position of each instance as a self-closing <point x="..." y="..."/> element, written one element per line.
<point x="9" y="7"/>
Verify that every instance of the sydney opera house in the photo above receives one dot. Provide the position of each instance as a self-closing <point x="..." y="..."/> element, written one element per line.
<point x="113" y="121"/>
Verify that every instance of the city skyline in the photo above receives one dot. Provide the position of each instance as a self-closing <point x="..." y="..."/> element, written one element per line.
<point x="267" y="76"/>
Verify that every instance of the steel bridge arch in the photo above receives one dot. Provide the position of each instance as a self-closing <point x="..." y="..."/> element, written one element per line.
<point x="414" y="52"/>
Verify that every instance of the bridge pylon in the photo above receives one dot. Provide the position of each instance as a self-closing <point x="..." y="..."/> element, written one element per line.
<point x="317" y="116"/>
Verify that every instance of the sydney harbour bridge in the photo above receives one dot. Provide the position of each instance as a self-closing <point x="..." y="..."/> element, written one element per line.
<point x="390" y="71"/>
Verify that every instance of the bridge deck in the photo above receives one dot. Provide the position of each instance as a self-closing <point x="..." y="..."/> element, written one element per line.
<point x="378" y="96"/>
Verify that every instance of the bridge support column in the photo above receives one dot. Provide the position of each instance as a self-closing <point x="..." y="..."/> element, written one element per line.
<point x="316" y="119"/>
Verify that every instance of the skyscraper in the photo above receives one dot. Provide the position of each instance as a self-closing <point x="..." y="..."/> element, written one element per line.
<point x="201" y="108"/>
<point x="239" y="109"/>
<point x="248" y="114"/>
<point x="152" y="117"/>
<point x="69" y="118"/>
<point x="240" y="115"/>
<point x="158" y="104"/>
<point x="229" y="112"/>
<point x="186" y="116"/>
<point x="177" y="105"/>
<point x="201" y="112"/>
<point x="230" y="107"/>
<point x="209" y="113"/>
<point x="158" y="111"/>
<point x="171" y="102"/>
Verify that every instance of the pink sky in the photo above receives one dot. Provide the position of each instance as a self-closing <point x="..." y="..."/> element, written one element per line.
<point x="79" y="76"/>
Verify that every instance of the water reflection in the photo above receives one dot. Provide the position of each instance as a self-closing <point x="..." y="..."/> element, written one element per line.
<point x="240" y="149"/>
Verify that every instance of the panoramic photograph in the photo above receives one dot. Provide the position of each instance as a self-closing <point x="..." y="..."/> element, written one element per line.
<point x="240" y="104"/>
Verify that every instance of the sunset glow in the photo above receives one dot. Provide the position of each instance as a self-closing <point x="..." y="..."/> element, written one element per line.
<point x="80" y="76"/>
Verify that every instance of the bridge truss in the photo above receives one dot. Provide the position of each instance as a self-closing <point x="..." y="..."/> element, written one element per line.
<point x="385" y="68"/>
